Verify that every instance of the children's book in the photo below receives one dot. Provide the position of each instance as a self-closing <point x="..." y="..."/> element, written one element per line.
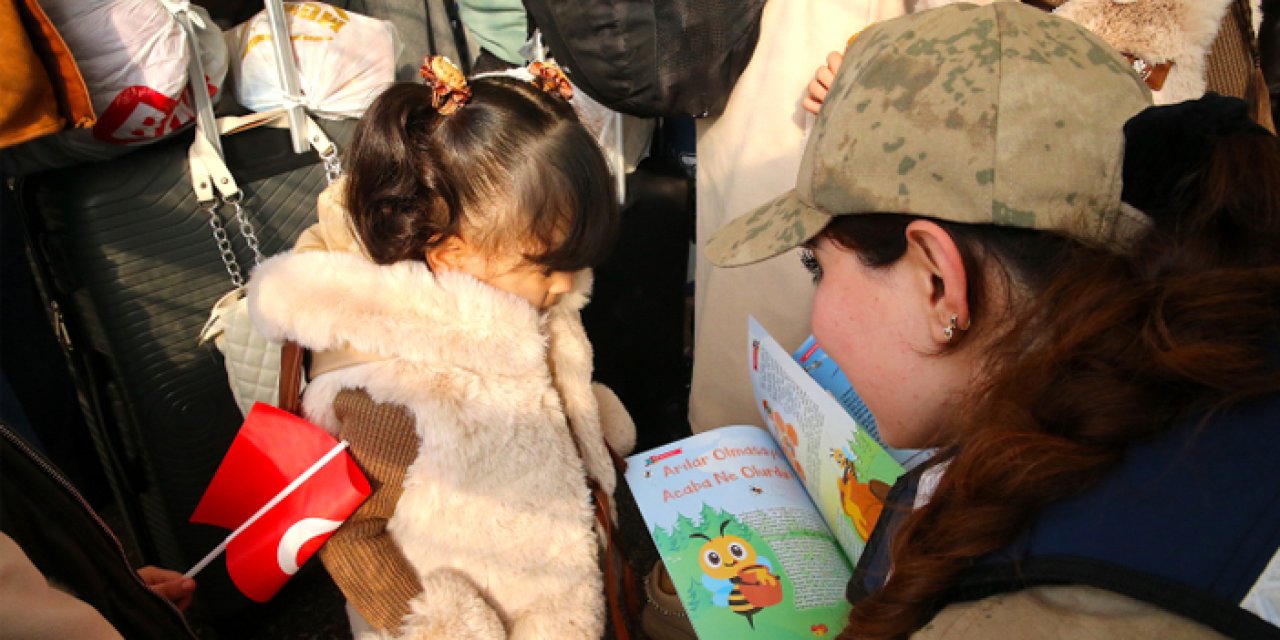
<point x="813" y="359"/>
<point x="759" y="529"/>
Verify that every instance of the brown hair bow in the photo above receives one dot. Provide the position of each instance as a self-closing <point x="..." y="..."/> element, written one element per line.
<point x="448" y="86"/>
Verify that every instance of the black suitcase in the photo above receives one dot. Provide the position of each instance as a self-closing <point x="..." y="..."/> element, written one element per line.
<point x="637" y="316"/>
<point x="128" y="266"/>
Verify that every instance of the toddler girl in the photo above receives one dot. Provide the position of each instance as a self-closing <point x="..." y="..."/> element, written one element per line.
<point x="442" y="311"/>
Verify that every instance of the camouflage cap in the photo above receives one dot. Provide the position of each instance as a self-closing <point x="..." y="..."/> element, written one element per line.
<point x="1000" y="114"/>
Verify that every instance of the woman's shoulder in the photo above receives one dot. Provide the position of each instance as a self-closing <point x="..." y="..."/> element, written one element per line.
<point x="1061" y="613"/>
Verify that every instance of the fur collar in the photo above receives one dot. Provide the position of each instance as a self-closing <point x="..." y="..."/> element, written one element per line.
<point x="1181" y="31"/>
<point x="415" y="320"/>
<point x="334" y="300"/>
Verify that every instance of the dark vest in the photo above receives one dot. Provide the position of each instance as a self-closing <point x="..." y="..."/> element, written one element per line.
<point x="1188" y="521"/>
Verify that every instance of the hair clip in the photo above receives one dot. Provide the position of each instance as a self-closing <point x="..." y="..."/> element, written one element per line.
<point x="449" y="90"/>
<point x="548" y="77"/>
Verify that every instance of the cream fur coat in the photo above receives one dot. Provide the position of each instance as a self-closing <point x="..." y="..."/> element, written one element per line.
<point x="495" y="516"/>
<point x="1178" y="31"/>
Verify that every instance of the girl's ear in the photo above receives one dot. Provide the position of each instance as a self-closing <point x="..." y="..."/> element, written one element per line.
<point x="938" y="270"/>
<point x="451" y="254"/>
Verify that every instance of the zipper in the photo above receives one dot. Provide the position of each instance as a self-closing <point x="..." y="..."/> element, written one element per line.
<point x="66" y="485"/>
<point x="60" y="326"/>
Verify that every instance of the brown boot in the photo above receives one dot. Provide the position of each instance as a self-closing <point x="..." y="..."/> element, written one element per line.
<point x="664" y="617"/>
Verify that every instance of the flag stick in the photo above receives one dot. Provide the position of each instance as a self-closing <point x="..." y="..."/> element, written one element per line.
<point x="284" y="493"/>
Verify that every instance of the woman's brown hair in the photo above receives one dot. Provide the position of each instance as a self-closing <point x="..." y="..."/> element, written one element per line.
<point x="512" y="170"/>
<point x="1103" y="350"/>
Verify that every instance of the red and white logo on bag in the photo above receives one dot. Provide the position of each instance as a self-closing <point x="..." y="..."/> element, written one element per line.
<point x="142" y="114"/>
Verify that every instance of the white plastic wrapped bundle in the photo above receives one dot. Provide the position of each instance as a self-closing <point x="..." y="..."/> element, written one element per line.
<point x="344" y="60"/>
<point x="133" y="56"/>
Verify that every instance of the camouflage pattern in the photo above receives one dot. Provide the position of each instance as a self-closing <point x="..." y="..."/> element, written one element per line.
<point x="1000" y="114"/>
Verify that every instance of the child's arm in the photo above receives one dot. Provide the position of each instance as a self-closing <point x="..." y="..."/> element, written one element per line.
<point x="615" y="422"/>
<point x="367" y="565"/>
<point x="364" y="561"/>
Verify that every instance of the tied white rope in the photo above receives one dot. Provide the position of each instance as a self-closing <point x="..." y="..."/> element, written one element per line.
<point x="291" y="100"/>
<point x="519" y="73"/>
<point x="190" y="20"/>
<point x="287" y="70"/>
<point x="181" y="9"/>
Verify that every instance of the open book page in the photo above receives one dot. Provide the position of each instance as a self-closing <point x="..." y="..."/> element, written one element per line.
<point x="815" y="362"/>
<point x="847" y="474"/>
<point x="747" y="551"/>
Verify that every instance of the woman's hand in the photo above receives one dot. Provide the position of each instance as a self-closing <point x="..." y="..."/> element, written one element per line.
<point x="170" y="585"/>
<point x="821" y="82"/>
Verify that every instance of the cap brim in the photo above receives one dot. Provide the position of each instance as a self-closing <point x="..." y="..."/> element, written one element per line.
<point x="784" y="223"/>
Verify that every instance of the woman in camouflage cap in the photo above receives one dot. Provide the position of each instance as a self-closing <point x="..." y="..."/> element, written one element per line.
<point x="1101" y="379"/>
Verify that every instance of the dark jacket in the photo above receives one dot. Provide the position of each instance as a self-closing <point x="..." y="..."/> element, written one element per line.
<point x="1189" y="522"/>
<point x="71" y="546"/>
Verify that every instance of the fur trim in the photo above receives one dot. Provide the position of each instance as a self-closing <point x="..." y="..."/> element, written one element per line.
<point x="619" y="430"/>
<point x="502" y="402"/>
<point x="449" y="608"/>
<point x="1157" y="31"/>
<point x="331" y="300"/>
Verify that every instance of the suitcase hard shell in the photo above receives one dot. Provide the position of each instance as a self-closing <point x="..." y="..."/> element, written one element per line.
<point x="128" y="260"/>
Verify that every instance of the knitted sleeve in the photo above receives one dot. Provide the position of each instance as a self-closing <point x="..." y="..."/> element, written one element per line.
<point x="363" y="560"/>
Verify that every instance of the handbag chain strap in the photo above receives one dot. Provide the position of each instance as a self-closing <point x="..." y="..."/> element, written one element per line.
<point x="225" y="250"/>
<point x="211" y="181"/>
<point x="214" y="187"/>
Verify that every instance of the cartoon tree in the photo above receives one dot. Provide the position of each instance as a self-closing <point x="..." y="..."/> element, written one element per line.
<point x="711" y="517"/>
<point x="695" y="597"/>
<point x="684" y="527"/>
<point x="735" y="527"/>
<point x="661" y="538"/>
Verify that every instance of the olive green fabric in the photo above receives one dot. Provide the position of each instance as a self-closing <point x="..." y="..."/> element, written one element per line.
<point x="999" y="114"/>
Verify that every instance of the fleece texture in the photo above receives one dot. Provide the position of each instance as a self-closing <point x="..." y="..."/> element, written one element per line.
<point x="495" y="514"/>
<point x="1157" y="31"/>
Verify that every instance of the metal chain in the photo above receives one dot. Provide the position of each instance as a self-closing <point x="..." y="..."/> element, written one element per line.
<point x="332" y="166"/>
<point x="224" y="243"/>
<point x="246" y="228"/>
<point x="332" y="171"/>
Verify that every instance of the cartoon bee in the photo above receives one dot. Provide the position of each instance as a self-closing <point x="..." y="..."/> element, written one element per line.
<point x="756" y="490"/>
<point x="861" y="501"/>
<point x="736" y="576"/>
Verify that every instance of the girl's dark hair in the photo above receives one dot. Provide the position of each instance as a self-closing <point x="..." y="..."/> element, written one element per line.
<point x="1103" y="350"/>
<point x="513" y="170"/>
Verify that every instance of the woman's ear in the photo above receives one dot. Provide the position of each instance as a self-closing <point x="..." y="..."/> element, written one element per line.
<point x="938" y="269"/>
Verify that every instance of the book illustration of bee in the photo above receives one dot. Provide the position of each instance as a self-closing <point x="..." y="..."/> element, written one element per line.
<point x="736" y="576"/>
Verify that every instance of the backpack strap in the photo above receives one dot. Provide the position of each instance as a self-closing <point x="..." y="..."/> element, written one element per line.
<point x="291" y="356"/>
<point x="623" y="602"/>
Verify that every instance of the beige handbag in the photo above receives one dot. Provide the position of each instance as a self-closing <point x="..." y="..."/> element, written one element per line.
<point x="252" y="361"/>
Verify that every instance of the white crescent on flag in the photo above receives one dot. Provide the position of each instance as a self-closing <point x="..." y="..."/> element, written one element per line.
<point x="299" y="534"/>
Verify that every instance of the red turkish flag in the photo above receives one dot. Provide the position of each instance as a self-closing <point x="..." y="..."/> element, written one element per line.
<point x="272" y="449"/>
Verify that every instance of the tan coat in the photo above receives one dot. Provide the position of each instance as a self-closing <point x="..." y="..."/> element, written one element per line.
<point x="1061" y="613"/>
<point x="33" y="609"/>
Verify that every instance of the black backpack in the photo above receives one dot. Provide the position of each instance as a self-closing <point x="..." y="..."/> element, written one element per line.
<point x="652" y="57"/>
